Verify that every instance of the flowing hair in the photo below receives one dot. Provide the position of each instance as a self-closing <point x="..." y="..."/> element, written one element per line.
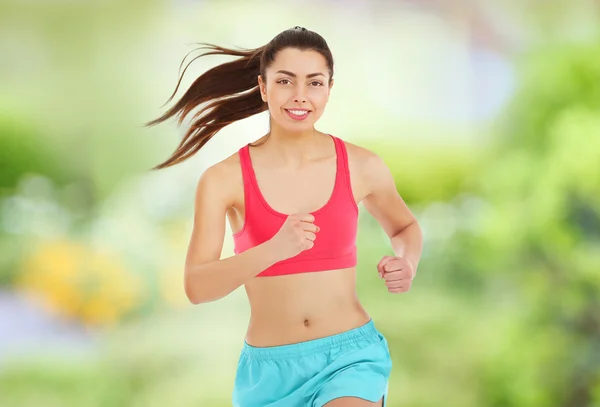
<point x="229" y="92"/>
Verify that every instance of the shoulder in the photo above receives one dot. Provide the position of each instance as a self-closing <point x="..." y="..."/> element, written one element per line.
<point x="219" y="181"/>
<point x="223" y="172"/>
<point x="364" y="162"/>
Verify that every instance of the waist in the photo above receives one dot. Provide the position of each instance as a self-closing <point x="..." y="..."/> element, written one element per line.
<point x="268" y="333"/>
<point x="300" y="307"/>
<point x="364" y="332"/>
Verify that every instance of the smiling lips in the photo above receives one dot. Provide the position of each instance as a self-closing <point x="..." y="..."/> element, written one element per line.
<point x="297" y="114"/>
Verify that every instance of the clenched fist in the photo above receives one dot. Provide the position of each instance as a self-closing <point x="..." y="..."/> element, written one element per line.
<point x="298" y="233"/>
<point x="397" y="272"/>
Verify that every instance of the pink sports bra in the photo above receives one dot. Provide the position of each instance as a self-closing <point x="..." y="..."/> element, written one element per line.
<point x="335" y="245"/>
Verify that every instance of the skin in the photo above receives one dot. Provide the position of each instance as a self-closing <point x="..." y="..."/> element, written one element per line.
<point x="295" y="170"/>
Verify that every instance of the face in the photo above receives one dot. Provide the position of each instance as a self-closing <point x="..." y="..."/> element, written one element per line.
<point x="296" y="88"/>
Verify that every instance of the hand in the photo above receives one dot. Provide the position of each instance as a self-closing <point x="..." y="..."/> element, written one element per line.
<point x="298" y="233"/>
<point x="397" y="272"/>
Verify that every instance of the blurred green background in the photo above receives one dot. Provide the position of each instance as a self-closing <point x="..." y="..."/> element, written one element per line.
<point x="488" y="114"/>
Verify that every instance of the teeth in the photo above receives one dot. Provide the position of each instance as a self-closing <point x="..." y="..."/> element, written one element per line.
<point x="298" y="112"/>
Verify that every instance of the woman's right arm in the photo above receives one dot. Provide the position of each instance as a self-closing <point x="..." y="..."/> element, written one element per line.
<point x="207" y="278"/>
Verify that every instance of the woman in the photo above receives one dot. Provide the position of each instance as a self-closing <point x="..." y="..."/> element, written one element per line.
<point x="291" y="200"/>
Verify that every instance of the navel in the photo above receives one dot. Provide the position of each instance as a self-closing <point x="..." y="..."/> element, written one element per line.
<point x="306" y="322"/>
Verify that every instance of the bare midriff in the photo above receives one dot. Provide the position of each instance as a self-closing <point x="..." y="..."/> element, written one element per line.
<point x="300" y="307"/>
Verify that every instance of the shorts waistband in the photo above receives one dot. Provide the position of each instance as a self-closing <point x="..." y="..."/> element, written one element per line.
<point x="366" y="332"/>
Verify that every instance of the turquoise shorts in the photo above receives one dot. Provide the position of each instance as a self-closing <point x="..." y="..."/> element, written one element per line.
<point x="354" y="363"/>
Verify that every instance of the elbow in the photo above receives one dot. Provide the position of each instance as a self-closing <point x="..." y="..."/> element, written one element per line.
<point x="191" y="290"/>
<point x="197" y="292"/>
<point x="416" y="226"/>
<point x="191" y="296"/>
<point x="413" y="225"/>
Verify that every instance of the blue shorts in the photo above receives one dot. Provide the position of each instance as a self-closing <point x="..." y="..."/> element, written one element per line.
<point x="354" y="363"/>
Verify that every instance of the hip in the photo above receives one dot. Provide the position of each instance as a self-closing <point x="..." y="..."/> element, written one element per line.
<point x="353" y="363"/>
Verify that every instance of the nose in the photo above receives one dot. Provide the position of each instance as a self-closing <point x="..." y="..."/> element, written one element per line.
<point x="300" y="97"/>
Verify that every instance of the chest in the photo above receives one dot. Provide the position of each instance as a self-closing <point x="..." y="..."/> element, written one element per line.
<point x="294" y="190"/>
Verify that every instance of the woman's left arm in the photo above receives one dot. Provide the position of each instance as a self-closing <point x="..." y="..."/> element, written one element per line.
<point x="385" y="204"/>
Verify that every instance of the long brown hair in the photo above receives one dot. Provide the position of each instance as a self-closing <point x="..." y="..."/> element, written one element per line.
<point x="230" y="91"/>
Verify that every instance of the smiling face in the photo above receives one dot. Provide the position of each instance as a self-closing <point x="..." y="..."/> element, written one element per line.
<point x="296" y="88"/>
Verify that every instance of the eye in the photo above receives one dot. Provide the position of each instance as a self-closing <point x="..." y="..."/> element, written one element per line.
<point x="316" y="83"/>
<point x="282" y="81"/>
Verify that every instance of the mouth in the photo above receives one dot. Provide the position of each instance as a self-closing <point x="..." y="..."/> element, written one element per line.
<point x="297" y="114"/>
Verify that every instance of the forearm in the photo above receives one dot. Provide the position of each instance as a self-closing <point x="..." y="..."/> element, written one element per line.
<point x="212" y="281"/>
<point x="408" y="243"/>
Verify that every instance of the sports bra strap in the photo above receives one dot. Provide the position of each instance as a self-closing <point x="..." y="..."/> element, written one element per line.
<point x="343" y="168"/>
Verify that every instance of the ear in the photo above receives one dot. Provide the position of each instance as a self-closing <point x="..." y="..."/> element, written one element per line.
<point x="263" y="88"/>
<point x="330" y="85"/>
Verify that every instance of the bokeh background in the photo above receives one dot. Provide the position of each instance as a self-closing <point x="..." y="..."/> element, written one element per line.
<point x="487" y="112"/>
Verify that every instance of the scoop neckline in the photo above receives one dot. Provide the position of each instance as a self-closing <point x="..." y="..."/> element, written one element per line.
<point x="281" y="214"/>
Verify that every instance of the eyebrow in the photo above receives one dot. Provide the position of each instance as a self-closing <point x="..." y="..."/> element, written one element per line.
<point x="310" y="75"/>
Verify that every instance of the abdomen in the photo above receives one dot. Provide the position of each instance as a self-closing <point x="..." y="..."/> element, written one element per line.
<point x="300" y="307"/>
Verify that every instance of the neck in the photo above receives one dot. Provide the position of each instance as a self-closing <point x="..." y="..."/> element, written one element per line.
<point x="294" y="147"/>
